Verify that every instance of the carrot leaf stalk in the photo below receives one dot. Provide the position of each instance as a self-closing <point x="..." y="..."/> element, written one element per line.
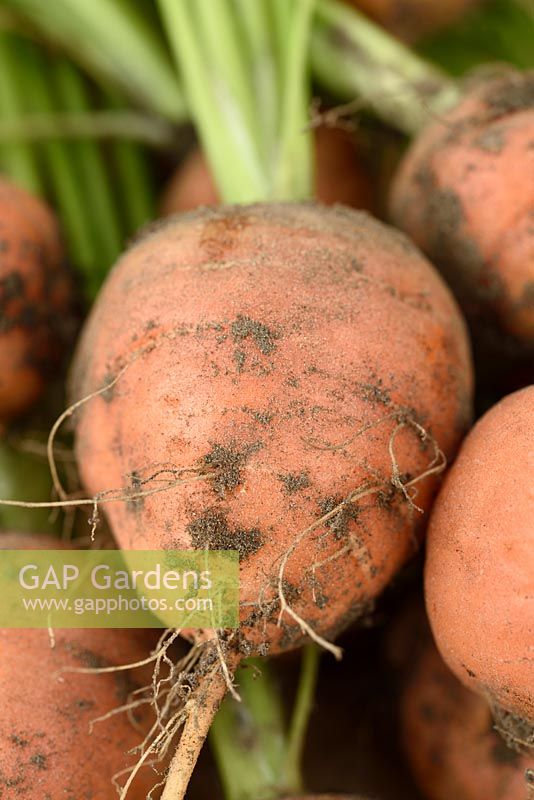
<point x="256" y="756"/>
<point x="121" y="123"/>
<point x="248" y="738"/>
<point x="17" y="159"/>
<point x="352" y="57"/>
<point x="220" y="103"/>
<point x="134" y="179"/>
<point x="101" y="208"/>
<point x="115" y="42"/>
<point x="227" y="80"/>
<point x="294" y="172"/>
<point x="301" y="716"/>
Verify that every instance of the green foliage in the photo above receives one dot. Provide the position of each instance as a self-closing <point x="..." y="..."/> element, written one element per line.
<point x="26" y="477"/>
<point x="498" y="31"/>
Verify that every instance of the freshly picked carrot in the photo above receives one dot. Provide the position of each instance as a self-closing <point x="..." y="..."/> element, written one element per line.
<point x="464" y="191"/>
<point x="243" y="345"/>
<point x="480" y="565"/>
<point x="411" y="19"/>
<point x="60" y="733"/>
<point x="449" y="736"/>
<point x="36" y="294"/>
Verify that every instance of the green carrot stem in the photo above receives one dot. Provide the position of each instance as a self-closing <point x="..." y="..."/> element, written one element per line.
<point x="218" y="33"/>
<point x="248" y="738"/>
<point x="352" y="57"/>
<point x="300" y="718"/>
<point x="261" y="51"/>
<point x="229" y="145"/>
<point x="281" y="11"/>
<point x="93" y="124"/>
<point x="115" y="41"/>
<point x="17" y="159"/>
<point x="60" y="166"/>
<point x="294" y="170"/>
<point x="101" y="210"/>
<point x="134" y="183"/>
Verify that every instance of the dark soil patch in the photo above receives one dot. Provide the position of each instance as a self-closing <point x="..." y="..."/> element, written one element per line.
<point x="211" y="531"/>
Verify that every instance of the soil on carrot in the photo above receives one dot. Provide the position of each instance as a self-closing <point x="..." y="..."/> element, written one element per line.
<point x="339" y="523"/>
<point x="511" y="97"/>
<point x="451" y="246"/>
<point x="294" y="482"/>
<point x="19" y="310"/>
<point x="211" y="531"/>
<point x="263" y="337"/>
<point x="33" y="759"/>
<point x="228" y="461"/>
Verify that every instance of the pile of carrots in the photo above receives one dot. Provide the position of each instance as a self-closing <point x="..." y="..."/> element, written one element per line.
<point x="267" y="276"/>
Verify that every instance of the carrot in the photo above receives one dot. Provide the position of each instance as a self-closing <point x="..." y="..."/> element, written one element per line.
<point x="464" y="191"/>
<point x="464" y="194"/>
<point x="233" y="371"/>
<point x="479" y="566"/>
<point x="449" y="737"/>
<point x="341" y="176"/>
<point x="411" y="19"/>
<point x="249" y="337"/>
<point x="46" y="745"/>
<point x="35" y="300"/>
<point x="248" y="370"/>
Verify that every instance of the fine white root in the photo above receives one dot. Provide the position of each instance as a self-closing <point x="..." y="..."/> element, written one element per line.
<point x="436" y="465"/>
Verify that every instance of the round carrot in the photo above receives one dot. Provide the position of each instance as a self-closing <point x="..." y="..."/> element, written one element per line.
<point x="449" y="737"/>
<point x="411" y="19"/>
<point x="35" y="300"/>
<point x="480" y="564"/>
<point x="298" y="371"/>
<point x="465" y="195"/>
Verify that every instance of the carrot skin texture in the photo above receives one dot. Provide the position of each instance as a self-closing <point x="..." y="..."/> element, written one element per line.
<point x="465" y="194"/>
<point x="36" y="319"/>
<point x="259" y="343"/>
<point x="449" y="737"/>
<point x="45" y="745"/>
<point x="479" y="569"/>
